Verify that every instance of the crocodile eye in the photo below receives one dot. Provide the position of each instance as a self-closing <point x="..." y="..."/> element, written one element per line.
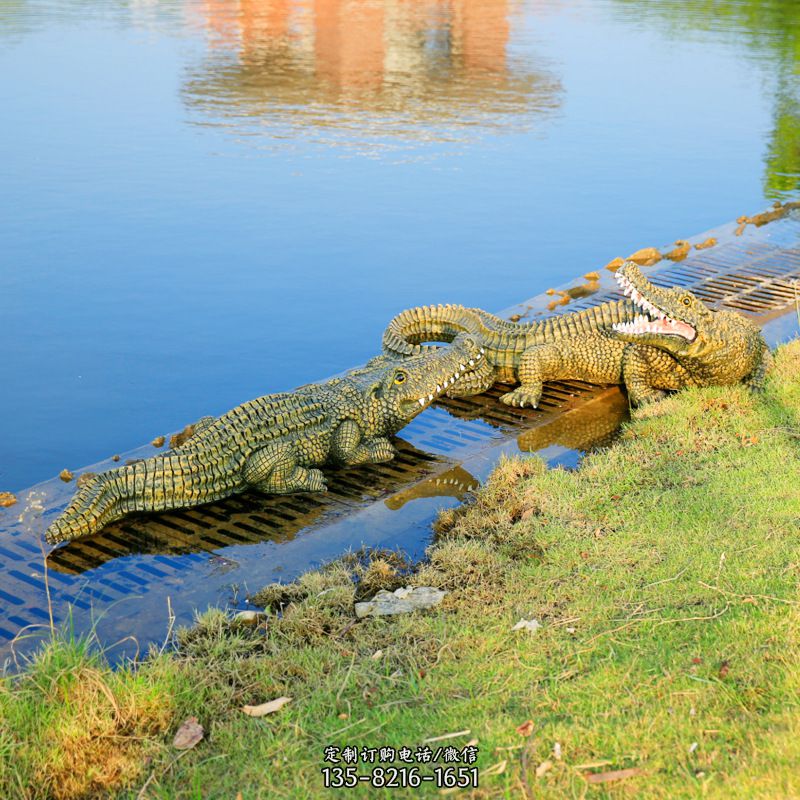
<point x="687" y="301"/>
<point x="400" y="377"/>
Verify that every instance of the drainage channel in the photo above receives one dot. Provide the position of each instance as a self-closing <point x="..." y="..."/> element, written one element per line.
<point x="129" y="581"/>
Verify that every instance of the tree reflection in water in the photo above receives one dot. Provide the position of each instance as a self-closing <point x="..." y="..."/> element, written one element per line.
<point x="768" y="31"/>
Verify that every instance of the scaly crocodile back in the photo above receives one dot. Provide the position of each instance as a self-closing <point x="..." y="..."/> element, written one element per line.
<point x="205" y="468"/>
<point x="262" y="420"/>
<point x="407" y="333"/>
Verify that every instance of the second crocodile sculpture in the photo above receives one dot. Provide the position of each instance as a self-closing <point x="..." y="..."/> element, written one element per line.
<point x="658" y="340"/>
<point x="274" y="443"/>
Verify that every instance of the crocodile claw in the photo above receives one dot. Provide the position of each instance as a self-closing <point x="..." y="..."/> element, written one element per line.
<point x="522" y="396"/>
<point x="316" y="481"/>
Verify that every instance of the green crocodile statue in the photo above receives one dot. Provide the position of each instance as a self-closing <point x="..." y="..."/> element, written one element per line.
<point x="274" y="443"/>
<point x="659" y="339"/>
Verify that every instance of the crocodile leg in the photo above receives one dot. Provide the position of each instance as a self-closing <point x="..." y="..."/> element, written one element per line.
<point x="641" y="364"/>
<point x="536" y="365"/>
<point x="274" y="469"/>
<point x="755" y="381"/>
<point x="595" y="358"/>
<point x="349" y="446"/>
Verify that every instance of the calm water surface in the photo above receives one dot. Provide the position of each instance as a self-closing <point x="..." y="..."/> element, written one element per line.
<point x="208" y="200"/>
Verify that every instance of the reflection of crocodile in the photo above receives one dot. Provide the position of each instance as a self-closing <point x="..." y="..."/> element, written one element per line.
<point x="455" y="482"/>
<point x="659" y="339"/>
<point x="585" y="427"/>
<point x="272" y="443"/>
<point x="250" y="518"/>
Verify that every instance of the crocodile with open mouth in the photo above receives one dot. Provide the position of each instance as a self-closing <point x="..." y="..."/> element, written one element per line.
<point x="658" y="340"/>
<point x="274" y="443"/>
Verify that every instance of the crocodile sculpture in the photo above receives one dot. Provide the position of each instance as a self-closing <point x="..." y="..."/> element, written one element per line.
<point x="274" y="443"/>
<point x="658" y="339"/>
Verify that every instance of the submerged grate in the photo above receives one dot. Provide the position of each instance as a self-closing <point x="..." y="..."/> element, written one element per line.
<point x="755" y="279"/>
<point x="178" y="553"/>
<point x="244" y="519"/>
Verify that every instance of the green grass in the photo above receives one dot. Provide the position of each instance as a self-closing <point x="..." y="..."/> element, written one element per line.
<point x="664" y="574"/>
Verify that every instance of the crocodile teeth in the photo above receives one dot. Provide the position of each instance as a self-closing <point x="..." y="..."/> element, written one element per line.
<point x="472" y="362"/>
<point x="482" y="351"/>
<point x="438" y="389"/>
<point x="421" y="401"/>
<point x="430" y="398"/>
<point x="461" y="367"/>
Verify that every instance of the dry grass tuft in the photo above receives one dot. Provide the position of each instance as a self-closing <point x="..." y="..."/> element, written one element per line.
<point x="462" y="565"/>
<point x="786" y="364"/>
<point x="94" y="747"/>
<point x="353" y="577"/>
<point x="84" y="726"/>
<point x="497" y="508"/>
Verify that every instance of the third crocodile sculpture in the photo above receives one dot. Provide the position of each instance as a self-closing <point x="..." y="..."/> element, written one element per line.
<point x="659" y="339"/>
<point x="272" y="443"/>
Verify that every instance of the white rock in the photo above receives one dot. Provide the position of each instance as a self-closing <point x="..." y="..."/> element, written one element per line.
<point x="401" y="601"/>
<point x="530" y="625"/>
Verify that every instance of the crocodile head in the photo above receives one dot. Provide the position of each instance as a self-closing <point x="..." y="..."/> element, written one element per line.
<point x="671" y="319"/>
<point x="398" y="389"/>
<point x="716" y="346"/>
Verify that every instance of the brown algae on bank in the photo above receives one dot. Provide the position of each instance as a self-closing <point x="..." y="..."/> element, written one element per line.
<point x="646" y="257"/>
<point x="84" y="478"/>
<point x="778" y="211"/>
<point x="710" y="242"/>
<point x="563" y="297"/>
<point x="680" y="252"/>
<point x="7" y="499"/>
<point x="177" y="439"/>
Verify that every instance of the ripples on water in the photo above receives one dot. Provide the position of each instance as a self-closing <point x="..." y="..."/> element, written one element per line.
<point x="207" y="200"/>
<point x="365" y="75"/>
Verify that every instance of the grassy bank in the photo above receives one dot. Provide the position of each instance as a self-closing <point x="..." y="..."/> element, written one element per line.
<point x="663" y="575"/>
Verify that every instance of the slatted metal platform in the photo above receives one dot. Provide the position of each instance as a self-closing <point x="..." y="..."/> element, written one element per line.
<point x="120" y="581"/>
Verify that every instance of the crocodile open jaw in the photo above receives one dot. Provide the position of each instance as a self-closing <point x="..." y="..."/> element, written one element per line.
<point x="444" y="386"/>
<point x="654" y="320"/>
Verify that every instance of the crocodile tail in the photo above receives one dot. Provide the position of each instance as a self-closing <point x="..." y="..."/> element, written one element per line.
<point x="149" y="485"/>
<point x="406" y="333"/>
<point x="90" y="508"/>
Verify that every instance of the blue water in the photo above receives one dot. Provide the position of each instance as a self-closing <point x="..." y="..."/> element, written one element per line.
<point x="205" y="201"/>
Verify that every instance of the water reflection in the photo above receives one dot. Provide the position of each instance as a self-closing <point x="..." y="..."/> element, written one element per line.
<point x="431" y="69"/>
<point x="769" y="30"/>
<point x="585" y="428"/>
<point x="455" y="482"/>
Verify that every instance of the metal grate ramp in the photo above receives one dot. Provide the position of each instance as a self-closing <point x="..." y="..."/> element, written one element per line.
<point x="119" y="581"/>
